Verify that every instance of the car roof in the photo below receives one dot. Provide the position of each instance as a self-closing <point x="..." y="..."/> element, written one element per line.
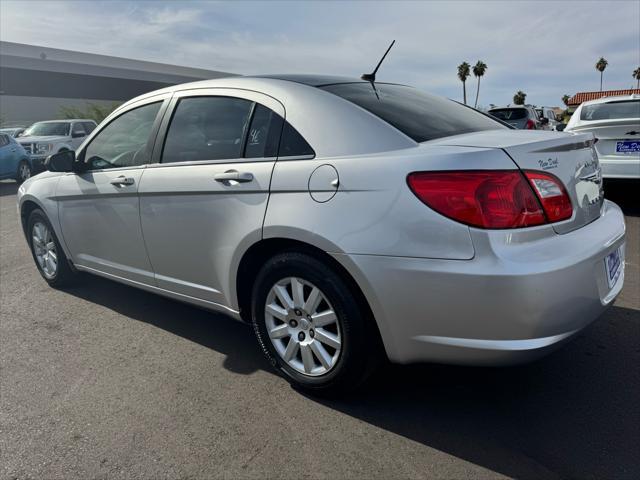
<point x="312" y="80"/>
<point x="67" y="120"/>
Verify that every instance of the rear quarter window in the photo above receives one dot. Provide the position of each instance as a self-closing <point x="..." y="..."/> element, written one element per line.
<point x="418" y="115"/>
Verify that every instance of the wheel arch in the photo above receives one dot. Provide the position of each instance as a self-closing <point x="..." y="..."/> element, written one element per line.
<point x="261" y="251"/>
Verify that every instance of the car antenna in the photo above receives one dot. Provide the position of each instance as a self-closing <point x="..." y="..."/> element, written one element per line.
<point x="371" y="77"/>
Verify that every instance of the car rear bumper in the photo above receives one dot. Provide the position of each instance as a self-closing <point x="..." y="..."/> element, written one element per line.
<point x="523" y="294"/>
<point x="613" y="166"/>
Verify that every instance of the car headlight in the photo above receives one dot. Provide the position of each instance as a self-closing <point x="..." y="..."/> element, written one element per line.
<point x="43" y="147"/>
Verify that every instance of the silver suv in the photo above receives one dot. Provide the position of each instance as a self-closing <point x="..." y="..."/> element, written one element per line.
<point x="523" y="117"/>
<point x="343" y="220"/>
<point x="44" y="138"/>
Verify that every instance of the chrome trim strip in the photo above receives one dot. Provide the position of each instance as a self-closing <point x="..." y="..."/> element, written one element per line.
<point x="501" y="345"/>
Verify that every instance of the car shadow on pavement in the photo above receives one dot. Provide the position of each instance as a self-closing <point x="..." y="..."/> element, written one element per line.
<point x="626" y="193"/>
<point x="573" y="414"/>
<point x="8" y="188"/>
<point x="209" y="329"/>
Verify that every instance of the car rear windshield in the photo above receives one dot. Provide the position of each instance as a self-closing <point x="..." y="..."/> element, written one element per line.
<point x="418" y="115"/>
<point x="611" y="110"/>
<point x="508" y="114"/>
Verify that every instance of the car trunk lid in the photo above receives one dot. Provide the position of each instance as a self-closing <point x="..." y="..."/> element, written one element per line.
<point x="569" y="157"/>
<point x="610" y="132"/>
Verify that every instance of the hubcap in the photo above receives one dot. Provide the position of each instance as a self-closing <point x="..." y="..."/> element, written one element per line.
<point x="303" y="327"/>
<point x="25" y="171"/>
<point x="45" y="249"/>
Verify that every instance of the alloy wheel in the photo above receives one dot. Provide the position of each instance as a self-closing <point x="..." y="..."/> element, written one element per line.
<point x="303" y="327"/>
<point x="44" y="248"/>
<point x="24" y="172"/>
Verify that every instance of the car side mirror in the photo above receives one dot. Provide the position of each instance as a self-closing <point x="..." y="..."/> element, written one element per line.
<point x="544" y="121"/>
<point x="560" y="127"/>
<point x="78" y="134"/>
<point x="61" y="161"/>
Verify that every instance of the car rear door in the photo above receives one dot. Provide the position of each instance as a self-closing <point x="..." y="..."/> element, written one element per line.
<point x="204" y="199"/>
<point x="98" y="209"/>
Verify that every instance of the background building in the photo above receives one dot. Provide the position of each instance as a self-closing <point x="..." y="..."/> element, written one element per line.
<point x="36" y="82"/>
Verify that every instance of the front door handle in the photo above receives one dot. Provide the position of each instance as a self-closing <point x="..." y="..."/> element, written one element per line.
<point x="233" y="176"/>
<point x="122" y="181"/>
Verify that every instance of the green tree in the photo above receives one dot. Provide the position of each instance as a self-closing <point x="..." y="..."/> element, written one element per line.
<point x="636" y="75"/>
<point x="519" y="97"/>
<point x="600" y="66"/>
<point x="92" y="111"/>
<point x="464" y="70"/>
<point x="565" y="99"/>
<point x="479" y="70"/>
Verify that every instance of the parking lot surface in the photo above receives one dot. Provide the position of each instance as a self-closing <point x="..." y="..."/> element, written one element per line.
<point x="106" y="381"/>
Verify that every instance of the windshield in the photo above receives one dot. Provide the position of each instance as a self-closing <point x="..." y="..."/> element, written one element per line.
<point x="418" y="115"/>
<point x="507" y="114"/>
<point x="611" y="111"/>
<point x="48" y="129"/>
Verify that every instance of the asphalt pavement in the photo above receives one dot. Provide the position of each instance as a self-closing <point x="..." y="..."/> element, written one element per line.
<point x="106" y="381"/>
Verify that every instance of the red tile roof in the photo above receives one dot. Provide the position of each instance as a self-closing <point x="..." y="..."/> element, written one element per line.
<point x="580" y="97"/>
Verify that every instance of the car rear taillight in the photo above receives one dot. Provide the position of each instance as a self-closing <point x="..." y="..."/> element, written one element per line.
<point x="531" y="125"/>
<point x="552" y="194"/>
<point x="491" y="198"/>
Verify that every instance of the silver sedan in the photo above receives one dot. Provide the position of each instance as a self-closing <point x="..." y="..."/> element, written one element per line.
<point x="345" y="220"/>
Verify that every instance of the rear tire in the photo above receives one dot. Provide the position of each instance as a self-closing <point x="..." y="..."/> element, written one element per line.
<point x="311" y="326"/>
<point x="24" y="172"/>
<point x="47" y="252"/>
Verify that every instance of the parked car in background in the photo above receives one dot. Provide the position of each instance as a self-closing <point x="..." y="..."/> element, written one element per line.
<point x="14" y="160"/>
<point x="343" y="220"/>
<point x="45" y="138"/>
<point x="615" y="122"/>
<point x="547" y="117"/>
<point x="523" y="117"/>
<point x="13" y="131"/>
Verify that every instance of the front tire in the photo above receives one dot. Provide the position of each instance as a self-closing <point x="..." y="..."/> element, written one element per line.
<point x="24" y="172"/>
<point x="47" y="252"/>
<point x="311" y="326"/>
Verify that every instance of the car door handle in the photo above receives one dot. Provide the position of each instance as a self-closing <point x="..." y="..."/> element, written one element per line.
<point x="234" y="176"/>
<point x="122" y="181"/>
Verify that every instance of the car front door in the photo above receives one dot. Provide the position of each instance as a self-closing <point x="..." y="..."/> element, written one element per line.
<point x="98" y="208"/>
<point x="205" y="198"/>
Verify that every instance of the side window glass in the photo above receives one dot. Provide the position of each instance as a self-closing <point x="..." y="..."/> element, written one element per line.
<point x="292" y="144"/>
<point x="3" y="140"/>
<point x="207" y="128"/>
<point x="78" y="130"/>
<point x="123" y="143"/>
<point x="264" y="133"/>
<point x="89" y="127"/>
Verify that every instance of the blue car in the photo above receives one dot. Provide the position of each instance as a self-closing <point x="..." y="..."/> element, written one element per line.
<point x="14" y="160"/>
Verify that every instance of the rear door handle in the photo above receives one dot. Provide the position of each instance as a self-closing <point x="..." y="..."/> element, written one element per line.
<point x="233" y="176"/>
<point x="122" y="181"/>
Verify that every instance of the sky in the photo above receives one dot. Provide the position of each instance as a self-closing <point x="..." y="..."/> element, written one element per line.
<point x="544" y="48"/>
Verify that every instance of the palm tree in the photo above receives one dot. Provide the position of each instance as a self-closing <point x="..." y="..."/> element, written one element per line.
<point x="479" y="70"/>
<point x="636" y="75"/>
<point x="600" y="66"/>
<point x="519" y="97"/>
<point x="464" y="70"/>
<point x="565" y="99"/>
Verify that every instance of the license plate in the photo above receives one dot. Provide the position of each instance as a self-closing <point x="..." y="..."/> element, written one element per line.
<point x="630" y="146"/>
<point x="613" y="266"/>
